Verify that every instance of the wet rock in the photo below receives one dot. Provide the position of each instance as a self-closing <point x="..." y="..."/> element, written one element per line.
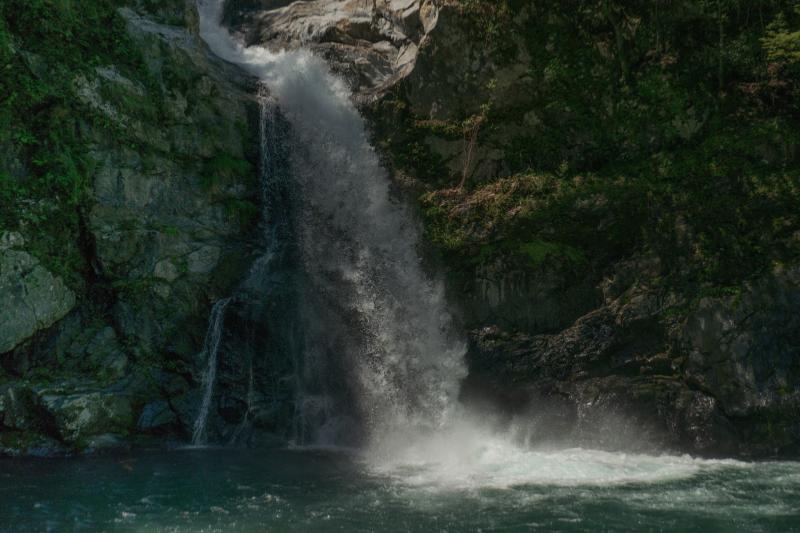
<point x="204" y="260"/>
<point x="104" y="353"/>
<point x="37" y="297"/>
<point x="724" y="381"/>
<point x="542" y="299"/>
<point x="27" y="444"/>
<point x="187" y="406"/>
<point x="21" y="409"/>
<point x="105" y="443"/>
<point x="156" y="416"/>
<point x="81" y="416"/>
<point x="163" y="237"/>
<point x="372" y="43"/>
<point x="162" y="220"/>
<point x="745" y="351"/>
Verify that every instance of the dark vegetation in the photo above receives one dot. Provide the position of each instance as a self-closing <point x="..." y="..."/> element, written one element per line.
<point x="668" y="127"/>
<point x="44" y="186"/>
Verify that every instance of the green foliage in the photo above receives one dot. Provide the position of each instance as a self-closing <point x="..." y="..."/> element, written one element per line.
<point x="44" y="46"/>
<point x="244" y="211"/>
<point x="661" y="127"/>
<point x="223" y="170"/>
<point x="780" y="43"/>
<point x="229" y="166"/>
<point x="538" y="251"/>
<point x="533" y="218"/>
<point x="491" y="19"/>
<point x="71" y="31"/>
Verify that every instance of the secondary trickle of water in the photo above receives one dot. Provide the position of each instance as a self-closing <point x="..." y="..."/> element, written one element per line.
<point x="210" y="351"/>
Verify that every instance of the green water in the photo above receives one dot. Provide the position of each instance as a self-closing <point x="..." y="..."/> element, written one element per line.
<point x="284" y="490"/>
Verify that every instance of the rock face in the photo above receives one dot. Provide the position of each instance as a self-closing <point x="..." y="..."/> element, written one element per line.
<point x="173" y="226"/>
<point x="610" y="346"/>
<point x="723" y="381"/>
<point x="600" y="354"/>
<point x="32" y="298"/>
<point x="171" y="221"/>
<point x="371" y="43"/>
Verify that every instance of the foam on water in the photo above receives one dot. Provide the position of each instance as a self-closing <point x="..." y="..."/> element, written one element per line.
<point x="466" y="456"/>
<point x="358" y="248"/>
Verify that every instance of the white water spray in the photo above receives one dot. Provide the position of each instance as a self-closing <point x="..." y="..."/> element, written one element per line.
<point x="377" y="311"/>
<point x="358" y="248"/>
<point x="210" y="351"/>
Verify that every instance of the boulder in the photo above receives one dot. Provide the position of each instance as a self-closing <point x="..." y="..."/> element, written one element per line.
<point x="31" y="298"/>
<point x="21" y="409"/>
<point x="156" y="416"/>
<point x="84" y="415"/>
<point x="371" y="43"/>
<point x="26" y="444"/>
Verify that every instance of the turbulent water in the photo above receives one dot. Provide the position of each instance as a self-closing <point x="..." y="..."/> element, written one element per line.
<point x="377" y="366"/>
<point x="377" y="348"/>
<point x="234" y="490"/>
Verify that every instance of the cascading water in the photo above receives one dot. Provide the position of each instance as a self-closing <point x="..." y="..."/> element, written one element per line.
<point x="210" y="350"/>
<point x="367" y="330"/>
<point x="376" y="347"/>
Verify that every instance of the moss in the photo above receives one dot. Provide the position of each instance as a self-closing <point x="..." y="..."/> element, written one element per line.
<point x="640" y="131"/>
<point x="538" y="251"/>
<point x="44" y="184"/>
<point x="244" y="211"/>
<point x="223" y="170"/>
<point x="446" y="129"/>
<point x="402" y="135"/>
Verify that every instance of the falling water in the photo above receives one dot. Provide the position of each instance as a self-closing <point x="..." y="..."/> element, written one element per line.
<point x="210" y="351"/>
<point x="368" y="331"/>
<point x="377" y="348"/>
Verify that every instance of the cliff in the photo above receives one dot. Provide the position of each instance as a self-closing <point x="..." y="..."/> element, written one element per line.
<point x="611" y="189"/>
<point x="129" y="204"/>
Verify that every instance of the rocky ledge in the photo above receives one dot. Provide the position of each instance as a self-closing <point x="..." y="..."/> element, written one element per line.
<point x="371" y="43"/>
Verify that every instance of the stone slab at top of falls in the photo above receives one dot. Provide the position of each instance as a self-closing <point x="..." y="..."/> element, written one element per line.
<point x="371" y="43"/>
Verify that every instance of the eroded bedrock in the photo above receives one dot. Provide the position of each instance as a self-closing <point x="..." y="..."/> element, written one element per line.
<point x="372" y="43"/>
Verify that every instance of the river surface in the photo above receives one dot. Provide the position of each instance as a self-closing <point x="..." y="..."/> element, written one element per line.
<point x="322" y="490"/>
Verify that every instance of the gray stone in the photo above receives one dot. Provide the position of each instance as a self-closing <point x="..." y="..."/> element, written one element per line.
<point x="166" y="270"/>
<point x="20" y="408"/>
<point x="31" y="298"/>
<point x="156" y="415"/>
<point x="371" y="44"/>
<point x="204" y="260"/>
<point x="80" y="416"/>
<point x="104" y="443"/>
<point x="107" y="355"/>
<point x="25" y="444"/>
<point x="11" y="239"/>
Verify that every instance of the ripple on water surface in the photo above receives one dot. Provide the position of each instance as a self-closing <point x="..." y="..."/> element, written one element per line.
<point x="502" y="489"/>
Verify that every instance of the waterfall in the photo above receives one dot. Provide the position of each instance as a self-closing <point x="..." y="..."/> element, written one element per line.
<point x="210" y="351"/>
<point x="377" y="348"/>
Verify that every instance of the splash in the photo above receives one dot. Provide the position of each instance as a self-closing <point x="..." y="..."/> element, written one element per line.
<point x="468" y="456"/>
<point x="377" y="348"/>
